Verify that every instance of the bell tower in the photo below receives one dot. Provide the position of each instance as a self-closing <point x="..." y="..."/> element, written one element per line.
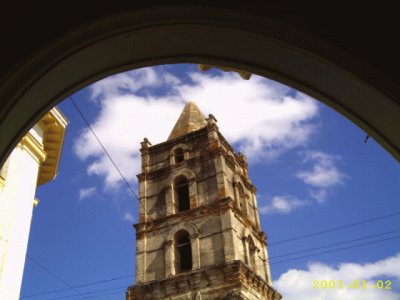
<point x="198" y="235"/>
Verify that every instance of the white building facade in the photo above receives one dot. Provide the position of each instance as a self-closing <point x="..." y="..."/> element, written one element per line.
<point x="33" y="162"/>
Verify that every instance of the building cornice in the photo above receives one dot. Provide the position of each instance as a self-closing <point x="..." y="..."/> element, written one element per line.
<point x="238" y="274"/>
<point x="33" y="147"/>
<point x="54" y="124"/>
<point x="219" y="206"/>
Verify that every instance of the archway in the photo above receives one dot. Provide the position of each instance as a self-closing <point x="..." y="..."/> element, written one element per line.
<point x="223" y="36"/>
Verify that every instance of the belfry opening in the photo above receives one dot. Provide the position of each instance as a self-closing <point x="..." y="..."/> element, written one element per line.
<point x="182" y="193"/>
<point x="184" y="251"/>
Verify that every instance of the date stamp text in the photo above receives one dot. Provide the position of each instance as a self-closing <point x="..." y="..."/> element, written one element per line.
<point x="355" y="284"/>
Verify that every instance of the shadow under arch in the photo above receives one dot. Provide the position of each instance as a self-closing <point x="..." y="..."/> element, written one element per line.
<point x="185" y="33"/>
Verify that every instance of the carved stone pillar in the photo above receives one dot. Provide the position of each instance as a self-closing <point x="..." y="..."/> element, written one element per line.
<point x="195" y="251"/>
<point x="246" y="250"/>
<point x="266" y="261"/>
<point x="169" y="264"/>
<point x="192" y="192"/>
<point x="236" y="195"/>
<point x="169" y="200"/>
<point x="255" y="208"/>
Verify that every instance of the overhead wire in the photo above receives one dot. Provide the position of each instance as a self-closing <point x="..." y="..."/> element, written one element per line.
<point x="258" y="264"/>
<point x="336" y="244"/>
<point x="78" y="286"/>
<point x="90" y="293"/>
<point x="55" y="276"/>
<point x="106" y="294"/>
<point x="334" y="229"/>
<point x="109" y="156"/>
<point x="119" y="172"/>
<point x="335" y="250"/>
<point x="113" y="163"/>
<point x="270" y="260"/>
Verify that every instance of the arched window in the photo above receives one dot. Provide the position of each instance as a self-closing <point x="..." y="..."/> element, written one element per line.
<point x="252" y="254"/>
<point x="182" y="193"/>
<point x="183" y="252"/>
<point x="179" y="155"/>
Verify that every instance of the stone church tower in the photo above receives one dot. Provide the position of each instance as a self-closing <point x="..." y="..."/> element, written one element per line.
<point x="198" y="235"/>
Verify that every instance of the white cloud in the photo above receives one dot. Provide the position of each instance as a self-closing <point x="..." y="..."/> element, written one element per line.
<point x="322" y="175"/>
<point x="264" y="118"/>
<point x="122" y="124"/>
<point x="258" y="113"/>
<point x="130" y="82"/>
<point x="128" y="217"/>
<point x="283" y="204"/>
<point x="324" y="172"/>
<point x="86" y="193"/>
<point x="319" y="195"/>
<point x="298" y="284"/>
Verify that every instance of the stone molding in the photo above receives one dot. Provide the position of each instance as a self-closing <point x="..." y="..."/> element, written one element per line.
<point x="223" y="280"/>
<point x="218" y="206"/>
<point x="33" y="147"/>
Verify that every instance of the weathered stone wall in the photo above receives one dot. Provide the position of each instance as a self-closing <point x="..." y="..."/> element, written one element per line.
<point x="158" y="192"/>
<point x="241" y="244"/>
<point x="228" y="250"/>
<point x="219" y="232"/>
<point x="228" y="281"/>
<point x="205" y="230"/>
<point x="234" y="170"/>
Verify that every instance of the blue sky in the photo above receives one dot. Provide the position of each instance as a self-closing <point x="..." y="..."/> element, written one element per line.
<point x="310" y="165"/>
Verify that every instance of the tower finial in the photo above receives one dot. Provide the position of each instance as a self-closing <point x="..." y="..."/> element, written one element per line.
<point x="191" y="119"/>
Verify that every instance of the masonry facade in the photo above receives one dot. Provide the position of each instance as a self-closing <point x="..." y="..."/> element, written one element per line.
<point x="198" y="235"/>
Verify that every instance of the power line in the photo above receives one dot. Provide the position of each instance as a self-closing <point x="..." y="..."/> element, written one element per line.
<point x="335" y="250"/>
<point x="108" y="155"/>
<point x="55" y="276"/>
<point x="324" y="252"/>
<point x="106" y="294"/>
<point x="104" y="149"/>
<point x="78" y="286"/>
<point x="91" y="292"/>
<point x="260" y="264"/>
<point x="335" y="244"/>
<point x="334" y="229"/>
<point x="328" y="251"/>
<point x="122" y="176"/>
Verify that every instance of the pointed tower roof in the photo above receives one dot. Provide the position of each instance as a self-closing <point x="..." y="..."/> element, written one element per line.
<point x="191" y="119"/>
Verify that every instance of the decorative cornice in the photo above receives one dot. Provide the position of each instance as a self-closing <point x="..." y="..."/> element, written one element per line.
<point x="168" y="170"/>
<point x="181" y="139"/>
<point x="54" y="124"/>
<point x="218" y="206"/>
<point x="33" y="147"/>
<point x="237" y="276"/>
<point x="200" y="211"/>
<point x="260" y="235"/>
